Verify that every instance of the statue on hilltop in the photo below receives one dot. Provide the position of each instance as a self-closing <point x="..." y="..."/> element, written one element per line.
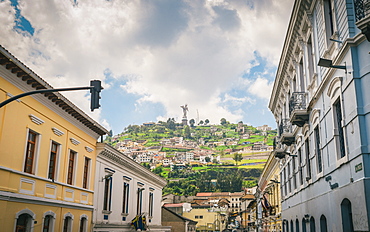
<point x="184" y="110"/>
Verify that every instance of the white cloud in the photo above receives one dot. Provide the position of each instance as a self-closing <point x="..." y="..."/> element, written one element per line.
<point x="168" y="52"/>
<point x="261" y="87"/>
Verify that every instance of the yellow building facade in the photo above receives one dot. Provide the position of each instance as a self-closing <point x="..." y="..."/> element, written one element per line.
<point x="268" y="197"/>
<point x="47" y="156"/>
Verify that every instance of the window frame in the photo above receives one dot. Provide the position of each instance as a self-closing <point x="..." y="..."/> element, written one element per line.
<point x="71" y="167"/>
<point x="56" y="159"/>
<point x="125" y="198"/>
<point x="34" y="152"/>
<point x="86" y="173"/>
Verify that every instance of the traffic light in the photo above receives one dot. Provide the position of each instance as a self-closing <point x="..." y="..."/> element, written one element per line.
<point x="95" y="94"/>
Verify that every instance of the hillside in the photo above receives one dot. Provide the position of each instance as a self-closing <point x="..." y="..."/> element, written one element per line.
<point x="198" y="158"/>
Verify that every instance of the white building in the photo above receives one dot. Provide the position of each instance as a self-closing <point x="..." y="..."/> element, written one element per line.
<point x="321" y="102"/>
<point x="123" y="190"/>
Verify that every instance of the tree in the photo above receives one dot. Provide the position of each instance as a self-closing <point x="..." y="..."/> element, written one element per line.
<point x="192" y="122"/>
<point x="237" y="157"/>
<point x="158" y="170"/>
<point x="223" y="121"/>
<point x="207" y="159"/>
<point x="206" y="121"/>
<point x="187" y="133"/>
<point x="201" y="122"/>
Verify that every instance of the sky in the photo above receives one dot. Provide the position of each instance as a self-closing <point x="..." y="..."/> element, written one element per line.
<point x="153" y="56"/>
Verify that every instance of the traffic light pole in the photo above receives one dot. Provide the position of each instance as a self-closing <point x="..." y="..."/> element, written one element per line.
<point x="42" y="91"/>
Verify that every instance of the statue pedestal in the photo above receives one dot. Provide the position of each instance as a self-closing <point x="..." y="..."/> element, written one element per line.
<point x="184" y="121"/>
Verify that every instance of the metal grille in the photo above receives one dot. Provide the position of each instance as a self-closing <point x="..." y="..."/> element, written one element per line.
<point x="297" y="101"/>
<point x="362" y="9"/>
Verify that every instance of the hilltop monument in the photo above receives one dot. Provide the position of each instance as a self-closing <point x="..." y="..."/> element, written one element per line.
<point x="184" y="117"/>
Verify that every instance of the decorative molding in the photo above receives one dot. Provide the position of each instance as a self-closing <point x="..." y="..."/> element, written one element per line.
<point x="51" y="187"/>
<point x="69" y="192"/>
<point x="35" y="119"/>
<point x="126" y="178"/>
<point x="23" y="184"/>
<point x="83" y="197"/>
<point x="140" y="184"/>
<point x="334" y="86"/>
<point x="57" y="132"/>
<point x="89" y="149"/>
<point x="74" y="141"/>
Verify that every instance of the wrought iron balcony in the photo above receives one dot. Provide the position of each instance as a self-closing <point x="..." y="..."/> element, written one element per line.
<point x="362" y="10"/>
<point x="286" y="132"/>
<point x="298" y="111"/>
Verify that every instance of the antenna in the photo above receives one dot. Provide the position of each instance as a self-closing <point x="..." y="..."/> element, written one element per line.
<point x="197" y="117"/>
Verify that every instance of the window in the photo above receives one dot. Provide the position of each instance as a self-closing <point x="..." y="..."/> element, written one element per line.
<point x="301" y="76"/>
<point x="285" y="182"/>
<point x="329" y="20"/>
<point x="300" y="166"/>
<point x="24" y="223"/>
<point x="304" y="228"/>
<point x="294" y="173"/>
<point x="30" y="152"/>
<point x="139" y="204"/>
<point x="346" y="211"/>
<point x="308" y="163"/>
<point x="338" y="124"/>
<point x="198" y="216"/>
<point x="53" y="160"/>
<point x="151" y="201"/>
<point x="48" y="224"/>
<point x="71" y="163"/>
<point x="323" y="224"/>
<point x="67" y="225"/>
<point x="318" y="151"/>
<point x="312" y="225"/>
<point x="107" y="193"/>
<point x="86" y="172"/>
<point x="83" y="224"/>
<point x="310" y="56"/>
<point x="297" y="225"/>
<point x="126" y="190"/>
<point x="289" y="178"/>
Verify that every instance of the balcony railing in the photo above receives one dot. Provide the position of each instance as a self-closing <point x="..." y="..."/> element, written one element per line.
<point x="298" y="109"/>
<point x="286" y="132"/>
<point x="362" y="11"/>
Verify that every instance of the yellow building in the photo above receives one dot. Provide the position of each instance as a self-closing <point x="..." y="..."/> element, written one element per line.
<point x="268" y="197"/>
<point x="47" y="156"/>
<point x="208" y="220"/>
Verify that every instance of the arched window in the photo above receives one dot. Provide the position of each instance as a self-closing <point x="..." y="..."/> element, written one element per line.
<point x="48" y="221"/>
<point x="323" y="224"/>
<point x="291" y="226"/>
<point x="346" y="210"/>
<point x="297" y="225"/>
<point x="304" y="229"/>
<point x="83" y="224"/>
<point x="312" y="225"/>
<point x="68" y="221"/>
<point x="24" y="220"/>
<point x="24" y="223"/>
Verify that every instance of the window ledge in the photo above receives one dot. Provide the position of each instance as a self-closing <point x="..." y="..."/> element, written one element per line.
<point x="106" y="212"/>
